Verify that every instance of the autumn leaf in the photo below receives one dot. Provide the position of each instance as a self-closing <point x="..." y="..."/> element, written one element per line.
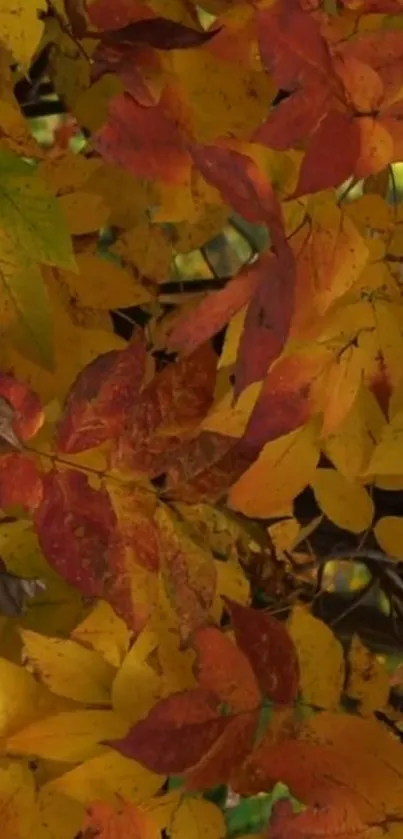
<point x="127" y="819"/>
<point x="100" y="399"/>
<point x="159" y="33"/>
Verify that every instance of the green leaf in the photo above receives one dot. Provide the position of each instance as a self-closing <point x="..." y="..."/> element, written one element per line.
<point x="31" y="215"/>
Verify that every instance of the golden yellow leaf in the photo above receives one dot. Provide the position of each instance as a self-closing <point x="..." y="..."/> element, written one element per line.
<point x="102" y="283"/>
<point x="137" y="686"/>
<point x="128" y="198"/>
<point x="282" y="470"/>
<point x="148" y="248"/>
<point x="56" y="817"/>
<point x="163" y="807"/>
<point x="234" y="107"/>
<point x="341" y="389"/>
<point x="368" y="680"/>
<point x="231" y="582"/>
<point x="71" y="736"/>
<point x="56" y="609"/>
<point x="232" y="338"/>
<point x="74" y="347"/>
<point x="351" y="446"/>
<point x="102" y="630"/>
<point x="66" y="172"/>
<point x="345" y="502"/>
<point x="17" y="800"/>
<point x="225" y="417"/>
<point x="387" y="456"/>
<point x="22" y="699"/>
<point x="106" y="778"/>
<point x="20" y="28"/>
<point x="320" y="657"/>
<point x="68" y="669"/>
<point x="197" y="819"/>
<point x="84" y="212"/>
<point x="390" y="338"/>
<point x="388" y="532"/>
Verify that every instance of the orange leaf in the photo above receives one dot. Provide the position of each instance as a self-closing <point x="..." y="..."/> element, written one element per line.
<point x="127" y="820"/>
<point x="224" y="669"/>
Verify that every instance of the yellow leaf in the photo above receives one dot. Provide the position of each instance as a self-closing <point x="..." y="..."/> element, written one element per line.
<point x="351" y="446"/>
<point x="232" y="338"/>
<point x="320" y="658"/>
<point x="163" y="807"/>
<point x="196" y="818"/>
<point x="387" y="456"/>
<point x="228" y="418"/>
<point x="103" y="284"/>
<point x="148" y="248"/>
<point x="368" y="680"/>
<point x="342" y="385"/>
<point x="344" y="502"/>
<point x="74" y="347"/>
<point x="71" y="736"/>
<point x="231" y="582"/>
<point x="66" y="171"/>
<point x="68" y="669"/>
<point x="232" y="106"/>
<point x="390" y="338"/>
<point x="22" y="699"/>
<point x="84" y="212"/>
<point x="59" y="607"/>
<point x="128" y="198"/>
<point x="388" y="532"/>
<point x="21" y="28"/>
<point x="282" y="470"/>
<point x="137" y="686"/>
<point x="104" y="632"/>
<point x="106" y="778"/>
<point x="57" y="816"/>
<point x="24" y="302"/>
<point x="17" y="800"/>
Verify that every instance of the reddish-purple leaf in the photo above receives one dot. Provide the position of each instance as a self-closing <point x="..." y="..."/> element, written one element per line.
<point x="146" y="141"/>
<point x="206" y="466"/>
<point x="270" y="650"/>
<point x="240" y="182"/>
<point x="214" y="312"/>
<point x="20" y="481"/>
<point x="159" y="33"/>
<point x="267" y="321"/>
<point x="79" y="534"/>
<point x="176" y="734"/>
<point x="332" y="154"/>
<point x="174" y="402"/>
<point x="101" y="398"/>
<point x="27" y="411"/>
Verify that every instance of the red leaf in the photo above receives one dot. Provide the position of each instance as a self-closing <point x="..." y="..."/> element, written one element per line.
<point x="294" y="119"/>
<point x="286" y="400"/>
<point x="132" y="65"/>
<point x="78" y="533"/>
<point x="226" y="754"/>
<point x="267" y="321"/>
<point x="109" y="16"/>
<point x="174" y="402"/>
<point x="101" y="398"/>
<point x="214" y="312"/>
<point x="332" y="154"/>
<point x="177" y="732"/>
<point x="28" y="416"/>
<point x="224" y="669"/>
<point x="146" y="141"/>
<point x="20" y="481"/>
<point x="159" y="33"/>
<point x="240" y="182"/>
<point x="291" y="45"/>
<point x="206" y="466"/>
<point x="270" y="650"/>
